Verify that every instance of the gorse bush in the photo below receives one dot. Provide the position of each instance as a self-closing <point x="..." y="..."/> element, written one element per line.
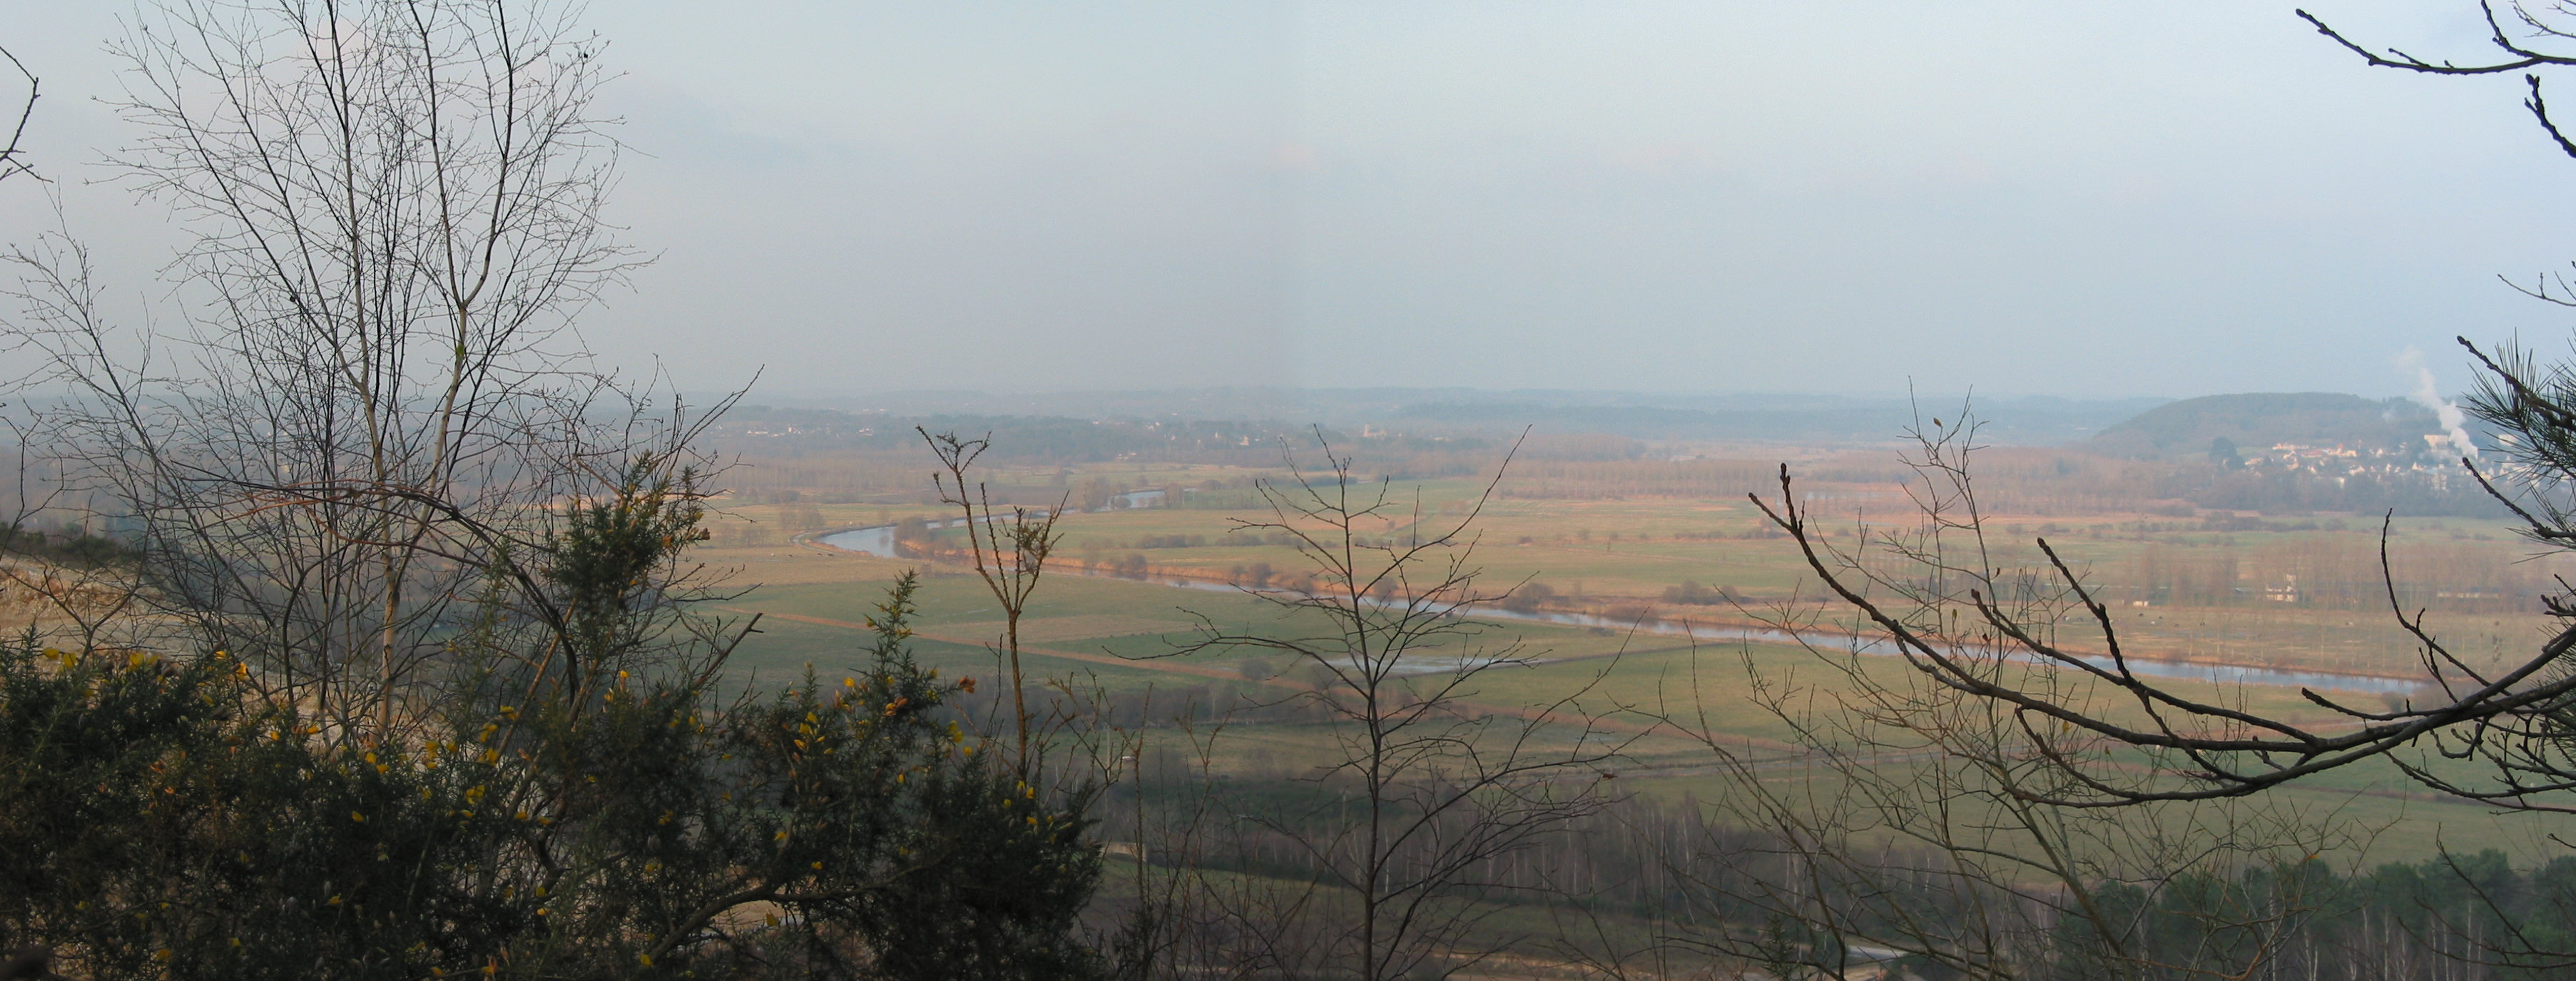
<point x="574" y="798"/>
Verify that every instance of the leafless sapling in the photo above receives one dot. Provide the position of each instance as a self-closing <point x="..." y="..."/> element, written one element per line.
<point x="1009" y="555"/>
<point x="1908" y="817"/>
<point x="1426" y="785"/>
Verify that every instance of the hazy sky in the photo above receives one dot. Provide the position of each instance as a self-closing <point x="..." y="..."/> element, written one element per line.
<point x="2031" y="198"/>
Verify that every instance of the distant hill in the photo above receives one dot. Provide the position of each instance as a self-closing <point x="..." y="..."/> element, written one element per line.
<point x="2260" y="420"/>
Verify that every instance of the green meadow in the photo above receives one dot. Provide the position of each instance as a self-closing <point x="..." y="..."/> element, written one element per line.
<point x="1127" y="639"/>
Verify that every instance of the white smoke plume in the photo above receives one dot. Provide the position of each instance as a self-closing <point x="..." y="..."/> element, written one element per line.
<point x="2429" y="395"/>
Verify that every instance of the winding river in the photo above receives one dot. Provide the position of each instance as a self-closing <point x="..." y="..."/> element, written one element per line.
<point x="878" y="540"/>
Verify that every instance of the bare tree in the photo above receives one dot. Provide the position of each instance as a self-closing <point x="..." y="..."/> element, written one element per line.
<point x="2522" y="36"/>
<point x="2512" y="717"/>
<point x="1010" y="556"/>
<point x="2015" y="680"/>
<point x="13" y="160"/>
<point x="1926" y="822"/>
<point x="2200" y="749"/>
<point x="377" y="394"/>
<point x="2509" y="716"/>
<point x="2094" y="734"/>
<point x="1428" y="787"/>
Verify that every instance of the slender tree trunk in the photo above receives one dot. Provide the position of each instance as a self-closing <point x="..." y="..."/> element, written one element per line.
<point x="1019" y="690"/>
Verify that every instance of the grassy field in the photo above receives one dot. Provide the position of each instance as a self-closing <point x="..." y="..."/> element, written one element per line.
<point x="2300" y="591"/>
<point x="1122" y="635"/>
<point x="2178" y="591"/>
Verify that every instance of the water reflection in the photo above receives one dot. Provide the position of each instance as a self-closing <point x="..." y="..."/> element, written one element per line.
<point x="877" y="540"/>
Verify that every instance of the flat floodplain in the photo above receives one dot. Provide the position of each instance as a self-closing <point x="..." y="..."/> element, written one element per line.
<point x="2303" y="594"/>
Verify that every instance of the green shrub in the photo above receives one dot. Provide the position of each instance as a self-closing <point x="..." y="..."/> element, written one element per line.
<point x="605" y="815"/>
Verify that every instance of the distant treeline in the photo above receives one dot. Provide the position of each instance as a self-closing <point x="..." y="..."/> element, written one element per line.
<point x="1022" y="440"/>
<point x="2474" y="574"/>
<point x="2008" y="481"/>
<point x="1592" y="479"/>
<point x="1801" y="419"/>
<point x="2023" y="481"/>
<point x="828" y="457"/>
<point x="2068" y="482"/>
<point x="76" y="548"/>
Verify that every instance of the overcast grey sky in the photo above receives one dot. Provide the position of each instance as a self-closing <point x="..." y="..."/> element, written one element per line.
<point x="2028" y="198"/>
